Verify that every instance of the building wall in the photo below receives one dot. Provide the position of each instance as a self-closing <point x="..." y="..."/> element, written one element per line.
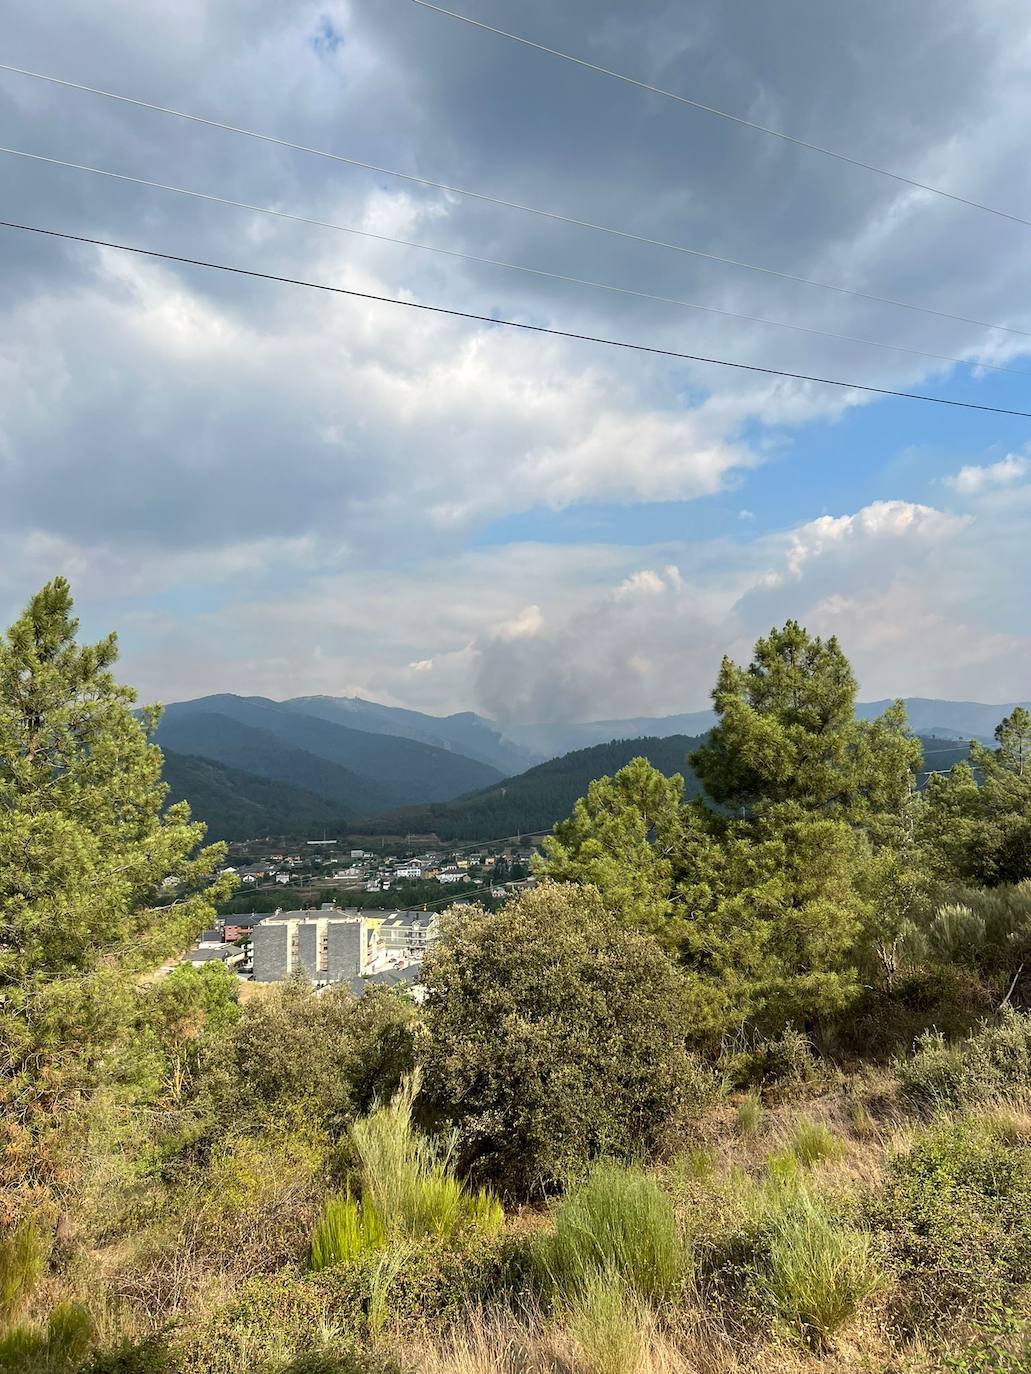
<point x="345" y="947"/>
<point x="271" y="947"/>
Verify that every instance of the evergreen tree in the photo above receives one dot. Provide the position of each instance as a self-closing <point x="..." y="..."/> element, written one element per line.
<point x="770" y="886"/>
<point x="623" y="838"/>
<point x="787" y="732"/>
<point x="978" y="822"/>
<point x="84" y="848"/>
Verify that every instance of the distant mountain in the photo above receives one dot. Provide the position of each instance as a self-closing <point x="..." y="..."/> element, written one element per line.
<point x="213" y="736"/>
<point x="550" y="740"/>
<point x="404" y="770"/>
<point x="533" y="801"/>
<point x="963" y="720"/>
<point x="241" y="806"/>
<point x="465" y="733"/>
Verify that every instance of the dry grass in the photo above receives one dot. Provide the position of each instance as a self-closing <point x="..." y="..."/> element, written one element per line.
<point x="696" y="1344"/>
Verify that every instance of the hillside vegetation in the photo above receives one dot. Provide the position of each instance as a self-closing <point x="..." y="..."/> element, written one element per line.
<point x="236" y="805"/>
<point x="356" y="770"/>
<point x="742" y="1084"/>
<point x="532" y="801"/>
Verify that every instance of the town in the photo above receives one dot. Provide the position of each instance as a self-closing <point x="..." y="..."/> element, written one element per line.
<point x="346" y="929"/>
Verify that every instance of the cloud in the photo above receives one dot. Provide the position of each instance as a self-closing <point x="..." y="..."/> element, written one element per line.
<point x="277" y="490"/>
<point x="890" y="580"/>
<point x="971" y="480"/>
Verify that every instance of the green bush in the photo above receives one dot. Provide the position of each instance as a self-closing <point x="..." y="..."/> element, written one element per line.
<point x="955" y="1215"/>
<point x="325" y="1058"/>
<point x="991" y="1062"/>
<point x="557" y="1037"/>
<point x="945" y="997"/>
<point x="621" y="1224"/>
<point x="812" y="1270"/>
<point x="785" y="1064"/>
<point x="780" y="1252"/>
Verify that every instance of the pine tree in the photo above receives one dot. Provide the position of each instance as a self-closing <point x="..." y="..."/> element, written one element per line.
<point x="623" y="838"/>
<point x="85" y="846"/>
<point x="787" y="732"/>
<point x="978" y="823"/>
<point x="799" y="854"/>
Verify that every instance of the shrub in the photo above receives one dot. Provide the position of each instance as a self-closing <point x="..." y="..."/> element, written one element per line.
<point x="149" y="1356"/>
<point x="783" y="1253"/>
<point x="557" y="1037"/>
<point x="955" y="1213"/>
<point x="887" y="1020"/>
<point x="328" y="1057"/>
<point x="1000" y="1345"/>
<point x="271" y="1319"/>
<point x="992" y="1062"/>
<point x="618" y="1223"/>
<point x="785" y="1063"/>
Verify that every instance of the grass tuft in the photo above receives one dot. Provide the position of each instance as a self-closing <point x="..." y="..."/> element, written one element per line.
<point x="344" y="1230"/>
<point x="610" y="1325"/>
<point x="620" y="1223"/>
<point x="409" y="1190"/>
<point x="749" y="1118"/>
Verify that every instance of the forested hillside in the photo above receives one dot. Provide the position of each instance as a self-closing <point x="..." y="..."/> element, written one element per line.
<point x="235" y="805"/>
<point x="464" y="732"/>
<point x="353" y="766"/>
<point x="533" y="801"/>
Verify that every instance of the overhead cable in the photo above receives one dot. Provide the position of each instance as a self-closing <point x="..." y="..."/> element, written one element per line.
<point x="726" y="114"/>
<point x="453" y="313"/>
<point x="509" y="266"/>
<point x="552" y="215"/>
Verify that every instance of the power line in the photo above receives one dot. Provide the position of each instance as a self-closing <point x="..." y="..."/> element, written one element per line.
<point x="726" y="114"/>
<point x="552" y="215"/>
<point x="510" y="266"/>
<point x="652" y="349"/>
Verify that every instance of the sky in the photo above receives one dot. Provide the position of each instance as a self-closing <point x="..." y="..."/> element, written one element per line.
<point x="277" y="491"/>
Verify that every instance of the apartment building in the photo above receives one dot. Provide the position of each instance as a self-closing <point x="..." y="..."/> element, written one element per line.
<point x="326" y="946"/>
